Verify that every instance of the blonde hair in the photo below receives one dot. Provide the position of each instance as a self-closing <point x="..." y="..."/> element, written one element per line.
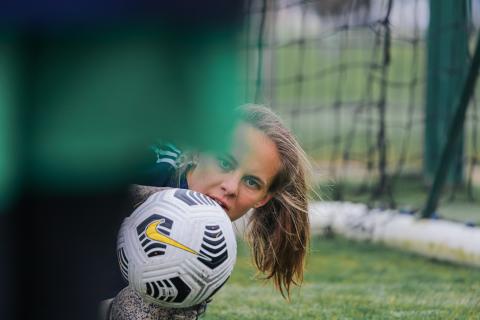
<point x="279" y="232"/>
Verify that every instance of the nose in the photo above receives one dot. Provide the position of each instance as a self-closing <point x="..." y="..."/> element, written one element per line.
<point x="230" y="184"/>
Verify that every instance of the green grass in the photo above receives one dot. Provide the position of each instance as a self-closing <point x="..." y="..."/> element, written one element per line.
<point x="348" y="280"/>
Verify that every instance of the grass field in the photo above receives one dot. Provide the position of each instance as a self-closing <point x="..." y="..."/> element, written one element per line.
<point x="348" y="280"/>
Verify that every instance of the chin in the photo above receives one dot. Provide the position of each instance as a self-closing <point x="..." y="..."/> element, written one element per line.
<point x="230" y="216"/>
<point x="233" y="216"/>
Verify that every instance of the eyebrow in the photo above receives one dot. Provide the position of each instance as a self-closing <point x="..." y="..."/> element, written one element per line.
<point x="230" y="158"/>
<point x="234" y="161"/>
<point x="260" y="181"/>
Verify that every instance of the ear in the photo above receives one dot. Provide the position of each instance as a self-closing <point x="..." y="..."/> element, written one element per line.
<point x="263" y="201"/>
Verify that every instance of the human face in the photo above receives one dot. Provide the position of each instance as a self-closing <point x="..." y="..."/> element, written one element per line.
<point x="239" y="180"/>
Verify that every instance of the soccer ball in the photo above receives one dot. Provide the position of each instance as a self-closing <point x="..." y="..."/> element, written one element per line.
<point x="177" y="249"/>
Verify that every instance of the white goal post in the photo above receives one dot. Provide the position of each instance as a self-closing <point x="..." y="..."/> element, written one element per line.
<point x="439" y="239"/>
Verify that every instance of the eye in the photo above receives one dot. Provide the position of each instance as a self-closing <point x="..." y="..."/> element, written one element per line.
<point x="225" y="164"/>
<point x="251" y="182"/>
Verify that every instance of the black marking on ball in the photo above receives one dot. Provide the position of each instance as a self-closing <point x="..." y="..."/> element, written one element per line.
<point x="151" y="248"/>
<point x="123" y="262"/>
<point x="209" y="247"/>
<point x="183" y="290"/>
<point x="171" y="290"/>
<point x="193" y="198"/>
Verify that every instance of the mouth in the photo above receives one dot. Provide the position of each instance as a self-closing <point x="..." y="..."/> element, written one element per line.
<point x="220" y="203"/>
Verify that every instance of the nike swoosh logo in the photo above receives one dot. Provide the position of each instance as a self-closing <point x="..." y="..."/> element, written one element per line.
<point x="153" y="234"/>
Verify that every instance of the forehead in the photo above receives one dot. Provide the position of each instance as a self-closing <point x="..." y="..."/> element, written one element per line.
<point x="255" y="152"/>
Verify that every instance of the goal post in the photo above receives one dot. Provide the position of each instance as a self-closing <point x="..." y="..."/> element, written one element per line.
<point x="446" y="68"/>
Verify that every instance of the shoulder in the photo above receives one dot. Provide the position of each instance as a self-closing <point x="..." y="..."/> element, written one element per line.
<point x="161" y="173"/>
<point x="166" y="154"/>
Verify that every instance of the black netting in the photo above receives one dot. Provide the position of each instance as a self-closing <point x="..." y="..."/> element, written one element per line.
<point x="349" y="78"/>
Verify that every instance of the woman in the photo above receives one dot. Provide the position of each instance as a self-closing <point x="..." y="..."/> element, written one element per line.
<point x="266" y="171"/>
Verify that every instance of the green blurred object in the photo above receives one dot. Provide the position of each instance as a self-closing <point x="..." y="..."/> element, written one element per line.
<point x="92" y="101"/>
<point x="447" y="67"/>
<point x="8" y="123"/>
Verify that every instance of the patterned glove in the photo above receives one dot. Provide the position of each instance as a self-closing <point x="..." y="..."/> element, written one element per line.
<point x="129" y="305"/>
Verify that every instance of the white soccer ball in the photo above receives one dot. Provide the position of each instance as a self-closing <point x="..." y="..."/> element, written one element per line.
<point x="177" y="248"/>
